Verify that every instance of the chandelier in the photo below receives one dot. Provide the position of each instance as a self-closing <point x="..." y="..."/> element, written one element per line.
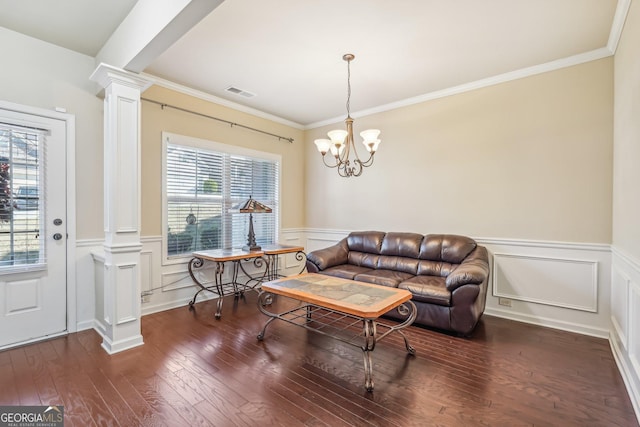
<point x="341" y="142"/>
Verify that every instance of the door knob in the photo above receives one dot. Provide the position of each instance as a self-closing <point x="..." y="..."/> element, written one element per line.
<point x="57" y="236"/>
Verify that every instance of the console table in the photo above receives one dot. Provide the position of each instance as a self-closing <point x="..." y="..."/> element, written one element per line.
<point x="266" y="262"/>
<point x="335" y="307"/>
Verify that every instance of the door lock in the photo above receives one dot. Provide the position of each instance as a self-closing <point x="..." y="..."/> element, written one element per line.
<point x="57" y="236"/>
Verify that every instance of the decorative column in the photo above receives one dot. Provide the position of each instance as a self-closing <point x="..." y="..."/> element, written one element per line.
<point x="122" y="300"/>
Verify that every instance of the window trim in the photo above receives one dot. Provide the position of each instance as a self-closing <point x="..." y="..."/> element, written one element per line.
<point x="189" y="141"/>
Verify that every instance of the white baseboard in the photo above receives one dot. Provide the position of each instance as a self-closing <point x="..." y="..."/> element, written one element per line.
<point x="169" y="305"/>
<point x="84" y="325"/>
<point x="549" y="323"/>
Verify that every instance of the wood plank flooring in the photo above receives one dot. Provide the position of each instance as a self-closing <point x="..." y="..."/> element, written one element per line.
<point x="194" y="370"/>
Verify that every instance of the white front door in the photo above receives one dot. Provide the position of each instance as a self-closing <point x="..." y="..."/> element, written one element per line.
<point x="33" y="228"/>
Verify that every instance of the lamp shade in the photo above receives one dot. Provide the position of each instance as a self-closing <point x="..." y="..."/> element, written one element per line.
<point x="371" y="146"/>
<point x="323" y="145"/>
<point x="370" y="135"/>
<point x="337" y="136"/>
<point x="252" y="206"/>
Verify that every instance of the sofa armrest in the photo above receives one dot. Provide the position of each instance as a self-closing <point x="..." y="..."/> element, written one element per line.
<point x="473" y="270"/>
<point x="328" y="257"/>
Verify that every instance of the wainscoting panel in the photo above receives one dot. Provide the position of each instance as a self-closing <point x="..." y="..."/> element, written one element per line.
<point x="634" y="336"/>
<point x="625" y="321"/>
<point x="568" y="283"/>
<point x="555" y="284"/>
<point x="620" y="301"/>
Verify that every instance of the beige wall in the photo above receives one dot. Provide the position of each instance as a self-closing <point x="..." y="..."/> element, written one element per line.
<point x="155" y="120"/>
<point x="626" y="177"/>
<point x="527" y="159"/>
<point x="43" y="75"/>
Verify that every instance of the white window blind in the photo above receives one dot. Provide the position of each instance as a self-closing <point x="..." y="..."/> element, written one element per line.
<point x="20" y="189"/>
<point x="203" y="187"/>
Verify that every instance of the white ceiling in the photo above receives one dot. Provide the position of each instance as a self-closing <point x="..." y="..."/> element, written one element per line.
<point x="289" y="52"/>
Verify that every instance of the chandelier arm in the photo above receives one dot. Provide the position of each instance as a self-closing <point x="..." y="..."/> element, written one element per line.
<point x="324" y="160"/>
<point x="369" y="161"/>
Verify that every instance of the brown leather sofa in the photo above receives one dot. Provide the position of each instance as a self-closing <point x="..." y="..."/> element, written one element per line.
<point x="447" y="274"/>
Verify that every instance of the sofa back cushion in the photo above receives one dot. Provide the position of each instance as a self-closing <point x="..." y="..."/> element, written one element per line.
<point x="433" y="254"/>
<point x="448" y="248"/>
<point x="401" y="244"/>
<point x="398" y="263"/>
<point x="365" y="241"/>
<point x="363" y="259"/>
<point x="435" y="268"/>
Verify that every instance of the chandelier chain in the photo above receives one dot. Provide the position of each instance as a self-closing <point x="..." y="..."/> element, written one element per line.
<point x="348" y="88"/>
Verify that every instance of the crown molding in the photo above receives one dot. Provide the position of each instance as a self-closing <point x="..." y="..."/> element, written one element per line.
<point x="622" y="9"/>
<point x="220" y="101"/>
<point x="478" y="84"/>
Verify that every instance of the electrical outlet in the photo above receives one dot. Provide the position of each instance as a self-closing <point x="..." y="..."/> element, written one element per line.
<point x="145" y="296"/>
<point x="504" y="301"/>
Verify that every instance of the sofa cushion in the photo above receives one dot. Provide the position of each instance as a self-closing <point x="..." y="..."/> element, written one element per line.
<point x="401" y="244"/>
<point x="446" y="247"/>
<point x="434" y="268"/>
<point x="365" y="241"/>
<point x="406" y="265"/>
<point x="429" y="289"/>
<point x="363" y="259"/>
<point x="389" y="278"/>
<point x="346" y="271"/>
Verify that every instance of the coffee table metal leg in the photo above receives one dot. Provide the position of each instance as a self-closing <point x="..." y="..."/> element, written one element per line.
<point x="369" y="333"/>
<point x="265" y="298"/>
<point x="407" y="309"/>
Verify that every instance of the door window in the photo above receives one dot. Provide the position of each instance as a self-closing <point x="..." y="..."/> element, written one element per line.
<point x="20" y="218"/>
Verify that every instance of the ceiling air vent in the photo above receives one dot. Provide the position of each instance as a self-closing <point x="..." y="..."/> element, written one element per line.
<point x="240" y="92"/>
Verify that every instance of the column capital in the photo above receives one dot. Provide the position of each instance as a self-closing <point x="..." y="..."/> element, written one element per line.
<point x="106" y="74"/>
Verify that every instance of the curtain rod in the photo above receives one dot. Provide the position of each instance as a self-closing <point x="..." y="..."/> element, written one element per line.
<point x="163" y="105"/>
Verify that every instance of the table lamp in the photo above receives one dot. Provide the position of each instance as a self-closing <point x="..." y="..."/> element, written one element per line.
<point x="252" y="206"/>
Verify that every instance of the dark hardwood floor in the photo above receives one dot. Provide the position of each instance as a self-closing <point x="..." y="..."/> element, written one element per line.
<point x="194" y="370"/>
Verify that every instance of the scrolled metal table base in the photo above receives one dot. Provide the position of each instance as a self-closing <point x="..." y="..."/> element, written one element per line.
<point x="341" y="326"/>
<point x="221" y="288"/>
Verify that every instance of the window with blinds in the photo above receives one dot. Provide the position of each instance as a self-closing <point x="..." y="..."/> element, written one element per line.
<point x="20" y="207"/>
<point x="204" y="187"/>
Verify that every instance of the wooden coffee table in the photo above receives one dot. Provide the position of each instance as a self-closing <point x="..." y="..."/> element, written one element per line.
<point x="344" y="309"/>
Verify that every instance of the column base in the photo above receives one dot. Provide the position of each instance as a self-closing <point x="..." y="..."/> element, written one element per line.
<point x="113" y="347"/>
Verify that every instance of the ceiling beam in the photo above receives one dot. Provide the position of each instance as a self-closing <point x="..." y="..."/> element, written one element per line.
<point x="149" y="29"/>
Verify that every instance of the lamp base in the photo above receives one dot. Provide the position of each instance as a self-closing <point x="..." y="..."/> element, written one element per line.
<point x="251" y="238"/>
